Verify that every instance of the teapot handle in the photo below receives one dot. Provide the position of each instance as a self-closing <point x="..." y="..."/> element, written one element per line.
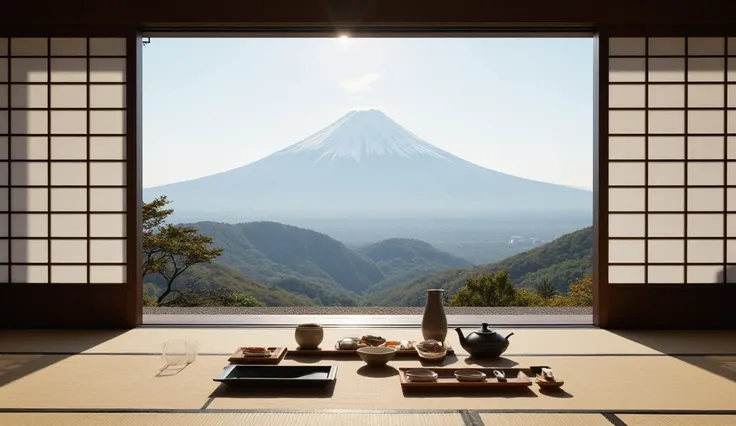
<point x="507" y="337"/>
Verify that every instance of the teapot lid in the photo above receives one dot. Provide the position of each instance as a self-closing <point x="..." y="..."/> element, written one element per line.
<point x="485" y="330"/>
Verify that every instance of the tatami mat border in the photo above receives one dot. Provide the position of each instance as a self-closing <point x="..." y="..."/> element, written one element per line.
<point x="348" y="411"/>
<point x="614" y="419"/>
<point x="469" y="417"/>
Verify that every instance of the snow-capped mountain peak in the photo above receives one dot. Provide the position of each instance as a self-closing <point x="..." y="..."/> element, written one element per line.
<point x="359" y="134"/>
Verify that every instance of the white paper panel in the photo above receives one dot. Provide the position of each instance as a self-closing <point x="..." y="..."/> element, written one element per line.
<point x="626" y="251"/>
<point x="626" y="148"/>
<point x="666" y="225"/>
<point x="666" y="174"/>
<point x="705" y="225"/>
<point x="666" y="251"/>
<point x="621" y="174"/>
<point x="705" y="147"/>
<point x="705" y="199"/>
<point x="666" y="148"/>
<point x="626" y="225"/>
<point x="666" y="46"/>
<point x="705" y="251"/>
<point x="704" y="174"/>
<point x="69" y="251"/>
<point x="708" y="46"/>
<point x="626" y="46"/>
<point x="666" y="199"/>
<point x="626" y="274"/>
<point x="669" y="274"/>
<point x="704" y="274"/>
<point x="626" y="199"/>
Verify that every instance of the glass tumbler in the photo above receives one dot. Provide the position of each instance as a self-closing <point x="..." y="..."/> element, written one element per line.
<point x="179" y="352"/>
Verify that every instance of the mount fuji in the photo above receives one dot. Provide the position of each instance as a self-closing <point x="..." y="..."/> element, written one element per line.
<point x="365" y="165"/>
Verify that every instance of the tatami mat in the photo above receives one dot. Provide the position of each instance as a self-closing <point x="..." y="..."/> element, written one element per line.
<point x="224" y="340"/>
<point x="131" y="382"/>
<point x="533" y="419"/>
<point x="105" y="381"/>
<point x="677" y="420"/>
<point x="591" y="383"/>
<point x="231" y="419"/>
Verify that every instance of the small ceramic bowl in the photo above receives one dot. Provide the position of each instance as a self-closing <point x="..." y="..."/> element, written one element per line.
<point x="469" y="376"/>
<point x="309" y="336"/>
<point x="421" y="375"/>
<point x="376" y="356"/>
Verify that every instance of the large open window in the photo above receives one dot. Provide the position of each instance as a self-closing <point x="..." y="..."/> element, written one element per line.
<point x="347" y="175"/>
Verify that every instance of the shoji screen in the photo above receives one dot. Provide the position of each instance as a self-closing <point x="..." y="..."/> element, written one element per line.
<point x="63" y="161"/>
<point x="671" y="160"/>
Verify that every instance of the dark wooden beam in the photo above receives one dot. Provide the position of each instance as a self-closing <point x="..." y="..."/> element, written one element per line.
<point x="192" y="13"/>
<point x="65" y="306"/>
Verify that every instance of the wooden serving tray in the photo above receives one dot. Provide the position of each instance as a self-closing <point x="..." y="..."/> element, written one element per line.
<point x="277" y="354"/>
<point x="354" y="352"/>
<point x="446" y="378"/>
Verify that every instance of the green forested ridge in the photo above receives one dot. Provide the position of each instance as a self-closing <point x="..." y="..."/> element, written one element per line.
<point x="313" y="265"/>
<point x="562" y="261"/>
<point x="294" y="259"/>
<point x="402" y="259"/>
<point x="283" y="265"/>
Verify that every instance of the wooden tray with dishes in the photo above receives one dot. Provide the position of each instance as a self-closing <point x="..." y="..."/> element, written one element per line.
<point x="443" y="377"/>
<point x="403" y="348"/>
<point x="269" y="356"/>
<point x="478" y="377"/>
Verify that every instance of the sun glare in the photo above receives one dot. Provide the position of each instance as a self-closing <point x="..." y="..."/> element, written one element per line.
<point x="343" y="38"/>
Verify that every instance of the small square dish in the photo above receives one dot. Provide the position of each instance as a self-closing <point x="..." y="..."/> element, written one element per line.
<point x="258" y="355"/>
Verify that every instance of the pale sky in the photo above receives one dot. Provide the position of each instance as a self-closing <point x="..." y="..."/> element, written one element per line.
<point x="520" y="106"/>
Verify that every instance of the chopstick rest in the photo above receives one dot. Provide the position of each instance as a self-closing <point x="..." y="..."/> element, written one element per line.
<point x="500" y="376"/>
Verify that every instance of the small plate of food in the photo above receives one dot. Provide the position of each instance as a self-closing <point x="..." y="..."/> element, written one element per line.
<point x="255" y="351"/>
<point x="431" y="350"/>
<point x="347" y="343"/>
<point x="394" y="344"/>
<point x="401" y="345"/>
<point x="372" y="340"/>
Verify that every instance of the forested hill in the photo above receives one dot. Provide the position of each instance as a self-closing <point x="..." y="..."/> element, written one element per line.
<point x="283" y="265"/>
<point x="308" y="263"/>
<point x="562" y="261"/>
<point x="402" y="259"/>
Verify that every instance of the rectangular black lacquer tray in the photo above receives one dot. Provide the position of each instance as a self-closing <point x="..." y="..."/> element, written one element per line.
<point x="283" y="376"/>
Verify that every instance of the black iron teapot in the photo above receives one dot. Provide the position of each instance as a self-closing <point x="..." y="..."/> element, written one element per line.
<point x="484" y="343"/>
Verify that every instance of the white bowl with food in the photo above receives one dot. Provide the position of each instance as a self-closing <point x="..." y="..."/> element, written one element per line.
<point x="431" y="350"/>
<point x="376" y="356"/>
